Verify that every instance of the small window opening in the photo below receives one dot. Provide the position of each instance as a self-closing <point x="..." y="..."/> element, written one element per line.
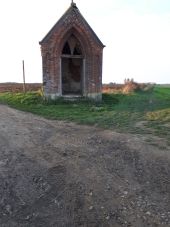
<point x="66" y="49"/>
<point x="77" y="50"/>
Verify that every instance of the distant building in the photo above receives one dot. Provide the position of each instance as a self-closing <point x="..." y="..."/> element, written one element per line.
<point x="72" y="58"/>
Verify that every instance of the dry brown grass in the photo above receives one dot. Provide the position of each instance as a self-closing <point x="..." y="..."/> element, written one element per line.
<point x="126" y="88"/>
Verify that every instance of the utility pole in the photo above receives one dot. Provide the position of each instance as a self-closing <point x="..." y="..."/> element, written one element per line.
<point x="23" y="69"/>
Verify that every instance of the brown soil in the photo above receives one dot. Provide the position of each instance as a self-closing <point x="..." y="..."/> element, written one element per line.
<point x="18" y="87"/>
<point x="60" y="174"/>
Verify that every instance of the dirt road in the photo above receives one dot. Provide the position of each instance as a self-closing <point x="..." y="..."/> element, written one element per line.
<point x="61" y="174"/>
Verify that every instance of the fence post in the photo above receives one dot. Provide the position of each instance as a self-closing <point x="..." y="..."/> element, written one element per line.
<point x="23" y="68"/>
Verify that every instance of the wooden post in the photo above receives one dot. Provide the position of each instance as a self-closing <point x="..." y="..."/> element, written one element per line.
<point x="23" y="67"/>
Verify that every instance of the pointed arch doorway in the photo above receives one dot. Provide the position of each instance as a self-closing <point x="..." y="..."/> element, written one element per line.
<point x="72" y="67"/>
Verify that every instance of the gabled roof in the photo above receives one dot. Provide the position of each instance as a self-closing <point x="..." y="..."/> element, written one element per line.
<point x="72" y="8"/>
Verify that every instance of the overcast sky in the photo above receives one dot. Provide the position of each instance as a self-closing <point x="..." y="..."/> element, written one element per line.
<point x="136" y="34"/>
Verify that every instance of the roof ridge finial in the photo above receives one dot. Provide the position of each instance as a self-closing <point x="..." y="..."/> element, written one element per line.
<point x="73" y="3"/>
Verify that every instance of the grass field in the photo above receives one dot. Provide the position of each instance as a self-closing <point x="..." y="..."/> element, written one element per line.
<point x="140" y="112"/>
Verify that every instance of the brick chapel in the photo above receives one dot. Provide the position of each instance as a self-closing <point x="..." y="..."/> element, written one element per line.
<point x="72" y="58"/>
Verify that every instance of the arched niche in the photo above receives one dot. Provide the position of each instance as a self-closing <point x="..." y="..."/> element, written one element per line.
<point x="72" y="67"/>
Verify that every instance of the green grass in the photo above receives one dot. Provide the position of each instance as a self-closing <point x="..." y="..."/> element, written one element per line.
<point x="117" y="111"/>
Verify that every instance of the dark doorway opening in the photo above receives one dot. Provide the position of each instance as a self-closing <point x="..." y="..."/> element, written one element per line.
<point x="72" y="76"/>
<point x="72" y="67"/>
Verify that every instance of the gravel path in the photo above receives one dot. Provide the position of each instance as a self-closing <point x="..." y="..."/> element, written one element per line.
<point x="58" y="174"/>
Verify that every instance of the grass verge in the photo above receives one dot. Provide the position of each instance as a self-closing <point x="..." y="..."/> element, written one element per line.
<point x="120" y="112"/>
